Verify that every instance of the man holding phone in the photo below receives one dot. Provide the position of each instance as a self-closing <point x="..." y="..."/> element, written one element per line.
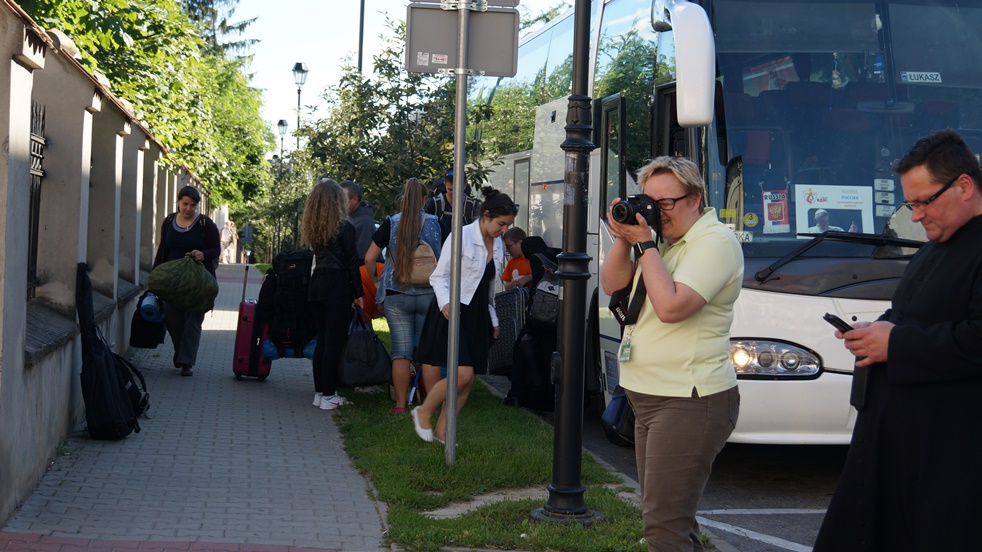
<point x="912" y="479"/>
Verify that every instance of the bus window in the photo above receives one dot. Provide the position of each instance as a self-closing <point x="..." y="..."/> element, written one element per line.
<point x="612" y="150"/>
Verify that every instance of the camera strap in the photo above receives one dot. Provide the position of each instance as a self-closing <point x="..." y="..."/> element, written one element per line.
<point x="627" y="313"/>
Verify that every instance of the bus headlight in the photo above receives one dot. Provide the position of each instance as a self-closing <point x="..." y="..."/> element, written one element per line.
<point x="773" y="359"/>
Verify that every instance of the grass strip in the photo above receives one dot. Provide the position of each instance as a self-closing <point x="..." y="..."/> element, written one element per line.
<point x="499" y="448"/>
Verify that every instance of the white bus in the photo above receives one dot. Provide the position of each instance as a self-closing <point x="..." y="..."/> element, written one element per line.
<point x="813" y="101"/>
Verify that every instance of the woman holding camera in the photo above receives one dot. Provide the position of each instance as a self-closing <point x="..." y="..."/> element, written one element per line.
<point x="674" y="358"/>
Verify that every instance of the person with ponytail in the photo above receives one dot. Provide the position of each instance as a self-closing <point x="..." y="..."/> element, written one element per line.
<point x="405" y="305"/>
<point x="481" y="260"/>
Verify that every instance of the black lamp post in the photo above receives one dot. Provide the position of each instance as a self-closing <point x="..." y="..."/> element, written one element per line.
<point x="282" y="128"/>
<point x="565" y="502"/>
<point x="299" y="76"/>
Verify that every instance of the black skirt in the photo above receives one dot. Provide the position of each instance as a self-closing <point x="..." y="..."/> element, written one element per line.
<point x="475" y="331"/>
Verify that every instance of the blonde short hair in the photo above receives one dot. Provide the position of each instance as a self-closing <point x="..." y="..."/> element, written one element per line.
<point x="684" y="170"/>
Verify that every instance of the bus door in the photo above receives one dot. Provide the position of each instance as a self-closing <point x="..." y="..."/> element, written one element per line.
<point x="613" y="183"/>
<point x="520" y="191"/>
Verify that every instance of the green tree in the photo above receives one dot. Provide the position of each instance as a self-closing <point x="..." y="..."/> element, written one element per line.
<point x="220" y="34"/>
<point x="201" y="107"/>
<point x="383" y="129"/>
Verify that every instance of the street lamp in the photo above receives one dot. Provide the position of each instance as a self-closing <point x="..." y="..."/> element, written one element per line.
<point x="282" y="127"/>
<point x="299" y="76"/>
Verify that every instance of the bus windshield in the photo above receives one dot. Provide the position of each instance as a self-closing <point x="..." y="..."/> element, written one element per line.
<point x="819" y="98"/>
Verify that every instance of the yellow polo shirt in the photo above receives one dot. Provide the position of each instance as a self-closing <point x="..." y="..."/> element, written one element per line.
<point x="671" y="359"/>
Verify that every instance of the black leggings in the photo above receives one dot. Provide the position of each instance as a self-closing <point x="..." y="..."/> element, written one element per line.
<point x="332" y="333"/>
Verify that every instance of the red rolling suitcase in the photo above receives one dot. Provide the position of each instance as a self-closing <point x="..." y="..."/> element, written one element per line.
<point x="248" y="356"/>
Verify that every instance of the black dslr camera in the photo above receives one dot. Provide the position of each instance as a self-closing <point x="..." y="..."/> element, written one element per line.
<point x="625" y="211"/>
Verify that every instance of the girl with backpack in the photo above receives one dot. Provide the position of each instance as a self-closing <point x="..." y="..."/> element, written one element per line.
<point x="335" y="284"/>
<point x="405" y="300"/>
<point x="482" y="258"/>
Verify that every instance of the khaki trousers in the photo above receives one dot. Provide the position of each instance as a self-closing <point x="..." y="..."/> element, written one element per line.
<point x="676" y="441"/>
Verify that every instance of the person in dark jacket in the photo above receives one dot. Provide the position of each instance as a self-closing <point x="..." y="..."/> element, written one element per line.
<point x="441" y="204"/>
<point x="911" y="481"/>
<point x="335" y="285"/>
<point x="187" y="231"/>
<point x="362" y="217"/>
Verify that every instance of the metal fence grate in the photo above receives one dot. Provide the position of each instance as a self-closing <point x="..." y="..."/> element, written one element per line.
<point x="37" y="173"/>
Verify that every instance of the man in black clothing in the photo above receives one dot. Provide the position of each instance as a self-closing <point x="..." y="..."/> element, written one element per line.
<point x="912" y="481"/>
<point x="441" y="204"/>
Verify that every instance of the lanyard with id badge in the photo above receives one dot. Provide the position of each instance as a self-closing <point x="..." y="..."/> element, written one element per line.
<point x="626" y="315"/>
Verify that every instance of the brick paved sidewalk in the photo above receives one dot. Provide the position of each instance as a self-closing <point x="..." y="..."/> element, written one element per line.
<point x="221" y="465"/>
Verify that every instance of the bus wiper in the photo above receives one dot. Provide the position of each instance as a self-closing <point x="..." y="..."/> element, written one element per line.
<point x="834" y="235"/>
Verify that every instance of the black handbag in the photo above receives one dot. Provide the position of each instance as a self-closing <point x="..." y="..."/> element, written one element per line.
<point x="364" y="361"/>
<point x="147" y="329"/>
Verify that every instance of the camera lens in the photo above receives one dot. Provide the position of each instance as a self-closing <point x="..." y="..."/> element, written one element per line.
<point x="622" y="213"/>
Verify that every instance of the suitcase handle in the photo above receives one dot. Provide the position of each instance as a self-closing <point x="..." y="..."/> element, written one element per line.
<point x="244" y="282"/>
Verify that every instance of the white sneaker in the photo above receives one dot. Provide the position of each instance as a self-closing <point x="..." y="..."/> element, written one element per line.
<point x="317" y="399"/>
<point x="332" y="402"/>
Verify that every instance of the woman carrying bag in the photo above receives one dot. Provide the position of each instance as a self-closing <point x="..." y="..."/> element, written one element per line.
<point x="335" y="285"/>
<point x="405" y="304"/>
<point x="187" y="232"/>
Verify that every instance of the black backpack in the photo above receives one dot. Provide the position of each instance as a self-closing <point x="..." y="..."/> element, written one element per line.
<point x="112" y="398"/>
<point x="283" y="302"/>
<point x="134" y="383"/>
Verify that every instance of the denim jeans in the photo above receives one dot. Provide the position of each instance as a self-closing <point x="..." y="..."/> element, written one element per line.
<point x="405" y="315"/>
<point x="676" y="441"/>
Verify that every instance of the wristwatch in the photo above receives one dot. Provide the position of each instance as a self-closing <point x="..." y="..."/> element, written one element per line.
<point x="640" y="248"/>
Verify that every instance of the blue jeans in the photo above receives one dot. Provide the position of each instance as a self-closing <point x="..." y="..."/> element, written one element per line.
<point x="405" y="315"/>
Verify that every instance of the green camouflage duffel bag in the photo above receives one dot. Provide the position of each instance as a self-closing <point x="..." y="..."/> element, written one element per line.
<point x="185" y="284"/>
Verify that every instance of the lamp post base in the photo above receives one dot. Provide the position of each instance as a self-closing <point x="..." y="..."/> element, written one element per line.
<point x="584" y="518"/>
<point x="565" y="505"/>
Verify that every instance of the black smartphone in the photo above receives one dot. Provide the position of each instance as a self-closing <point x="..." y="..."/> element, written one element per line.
<point x="839" y="323"/>
<point x="860" y="374"/>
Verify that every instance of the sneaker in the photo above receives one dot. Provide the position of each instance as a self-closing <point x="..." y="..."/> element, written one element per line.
<point x="332" y="402"/>
<point x="317" y="399"/>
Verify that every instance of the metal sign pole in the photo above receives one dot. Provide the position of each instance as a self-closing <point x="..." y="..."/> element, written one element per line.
<point x="459" y="141"/>
<point x="495" y="52"/>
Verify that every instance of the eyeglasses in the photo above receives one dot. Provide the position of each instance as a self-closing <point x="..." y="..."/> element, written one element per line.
<point x="668" y="203"/>
<point x="923" y="204"/>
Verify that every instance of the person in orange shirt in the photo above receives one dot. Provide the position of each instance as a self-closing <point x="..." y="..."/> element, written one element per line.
<point x="517" y="272"/>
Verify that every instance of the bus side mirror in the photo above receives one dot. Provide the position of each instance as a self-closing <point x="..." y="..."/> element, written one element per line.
<point x="695" y="58"/>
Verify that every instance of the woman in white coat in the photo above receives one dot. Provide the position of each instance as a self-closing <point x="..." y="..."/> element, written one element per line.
<point x="482" y="256"/>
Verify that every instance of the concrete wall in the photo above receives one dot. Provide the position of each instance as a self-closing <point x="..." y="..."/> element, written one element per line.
<point x="105" y="190"/>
